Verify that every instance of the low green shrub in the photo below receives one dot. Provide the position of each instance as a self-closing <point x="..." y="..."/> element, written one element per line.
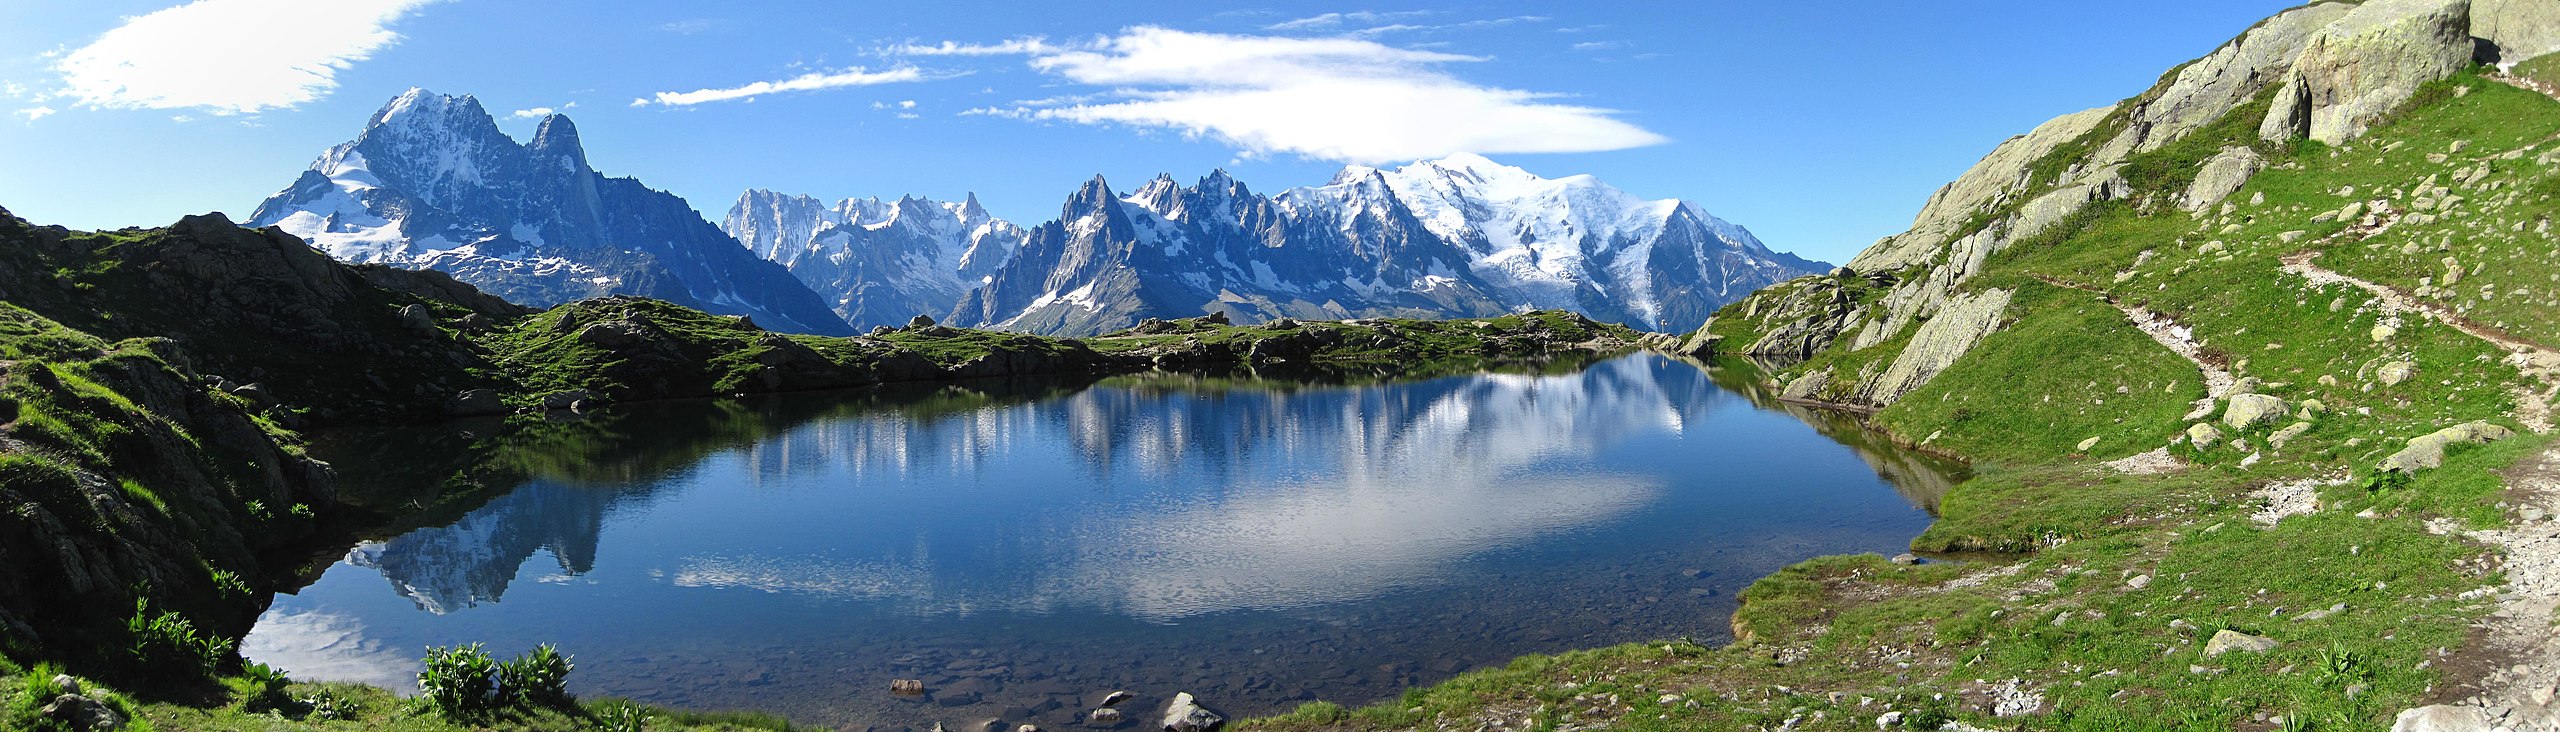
<point x="459" y="682"/>
<point x="168" y="645"/>
<point x="540" y="676"/>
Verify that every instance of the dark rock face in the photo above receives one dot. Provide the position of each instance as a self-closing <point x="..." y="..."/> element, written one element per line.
<point x="153" y="481"/>
<point x="432" y="183"/>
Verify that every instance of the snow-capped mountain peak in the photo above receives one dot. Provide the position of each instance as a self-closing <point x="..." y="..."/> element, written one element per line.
<point x="432" y="183"/>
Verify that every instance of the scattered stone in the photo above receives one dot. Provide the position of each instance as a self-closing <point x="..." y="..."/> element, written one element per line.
<point x="2427" y="451"/>
<point x="2393" y="373"/>
<point x="1888" y="720"/>
<point x="417" y="318"/>
<point x="907" y="687"/>
<point x="1103" y="716"/>
<point x="2442" y="718"/>
<point x="2227" y="640"/>
<point x="1906" y="559"/>
<point x="1186" y="715"/>
<point x="82" y="713"/>
<point x="2139" y="581"/>
<point x="920" y="321"/>
<point x="2203" y="435"/>
<point x="2383" y="332"/>
<point x="2086" y="444"/>
<point x="475" y="403"/>
<point x="2250" y="410"/>
<point x="2287" y="434"/>
<point x="1114" y="699"/>
<point x="2222" y="175"/>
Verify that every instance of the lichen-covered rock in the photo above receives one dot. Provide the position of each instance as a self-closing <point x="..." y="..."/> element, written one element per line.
<point x="2221" y="176"/>
<point x="2509" y="31"/>
<point x="2395" y="372"/>
<point x="2287" y="434"/>
<point x="1958" y="327"/>
<point x="1808" y="385"/>
<point x="1991" y="180"/>
<point x="2228" y="641"/>
<point x="2203" y="435"/>
<point x="2357" y="69"/>
<point x="2427" y="451"/>
<point x="2444" y="718"/>
<point x="2250" y="410"/>
<point x="2212" y="86"/>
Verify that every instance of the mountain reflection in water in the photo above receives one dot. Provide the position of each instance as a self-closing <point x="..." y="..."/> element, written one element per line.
<point x="1272" y="534"/>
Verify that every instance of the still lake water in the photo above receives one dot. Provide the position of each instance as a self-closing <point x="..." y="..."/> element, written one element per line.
<point x="1023" y="549"/>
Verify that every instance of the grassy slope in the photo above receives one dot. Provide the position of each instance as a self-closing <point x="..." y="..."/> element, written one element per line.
<point x="1833" y="642"/>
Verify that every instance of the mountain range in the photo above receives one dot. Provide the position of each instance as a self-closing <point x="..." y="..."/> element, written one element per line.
<point x="432" y="183"/>
<point x="1456" y="237"/>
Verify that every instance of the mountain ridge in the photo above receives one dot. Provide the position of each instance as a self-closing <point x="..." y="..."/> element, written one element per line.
<point x="432" y="183"/>
<point x="1458" y="237"/>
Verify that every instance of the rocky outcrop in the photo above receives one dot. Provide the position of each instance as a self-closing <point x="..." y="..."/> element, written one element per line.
<point x="1958" y="327"/>
<point x="125" y="474"/>
<point x="1186" y="715"/>
<point x="2211" y="87"/>
<point x="2509" y="31"/>
<point x="2224" y="173"/>
<point x="1996" y="178"/>
<point x="2359" y="68"/>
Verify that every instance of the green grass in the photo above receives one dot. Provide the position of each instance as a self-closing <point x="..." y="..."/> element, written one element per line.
<point x="2545" y="69"/>
<point x="2068" y="369"/>
<point x="1827" y="634"/>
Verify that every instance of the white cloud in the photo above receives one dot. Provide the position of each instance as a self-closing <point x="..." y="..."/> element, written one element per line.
<point x="907" y="104"/>
<point x="1341" y="99"/>
<point x="541" y="112"/>
<point x="1007" y="113"/>
<point x="1332" y="20"/>
<point x="1014" y="47"/>
<point x="1600" y="46"/>
<point x="230" y="56"/>
<point x="35" y="113"/>
<point x="815" y="80"/>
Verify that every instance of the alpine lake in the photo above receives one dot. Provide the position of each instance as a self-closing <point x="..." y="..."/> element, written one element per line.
<point x="1025" y="547"/>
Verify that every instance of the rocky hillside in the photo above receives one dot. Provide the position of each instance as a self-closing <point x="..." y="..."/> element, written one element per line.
<point x="2256" y="370"/>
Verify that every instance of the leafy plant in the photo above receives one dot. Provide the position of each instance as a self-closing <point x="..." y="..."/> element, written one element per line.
<point x="624" y="718"/>
<point x="459" y="682"/>
<point x="540" y="676"/>
<point x="168" y="644"/>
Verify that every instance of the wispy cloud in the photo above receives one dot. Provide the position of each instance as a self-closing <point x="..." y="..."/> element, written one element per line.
<point x="35" y="113"/>
<point x="541" y="112"/>
<point x="1014" y="47"/>
<point x="1327" y="21"/>
<point x="1589" y="46"/>
<point x="812" y="81"/>
<point x="230" y="56"/>
<point x="1374" y="24"/>
<point x="692" y="26"/>
<point x="1336" y="98"/>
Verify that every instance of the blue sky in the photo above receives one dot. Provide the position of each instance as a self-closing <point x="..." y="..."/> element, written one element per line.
<point x="1818" y="125"/>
